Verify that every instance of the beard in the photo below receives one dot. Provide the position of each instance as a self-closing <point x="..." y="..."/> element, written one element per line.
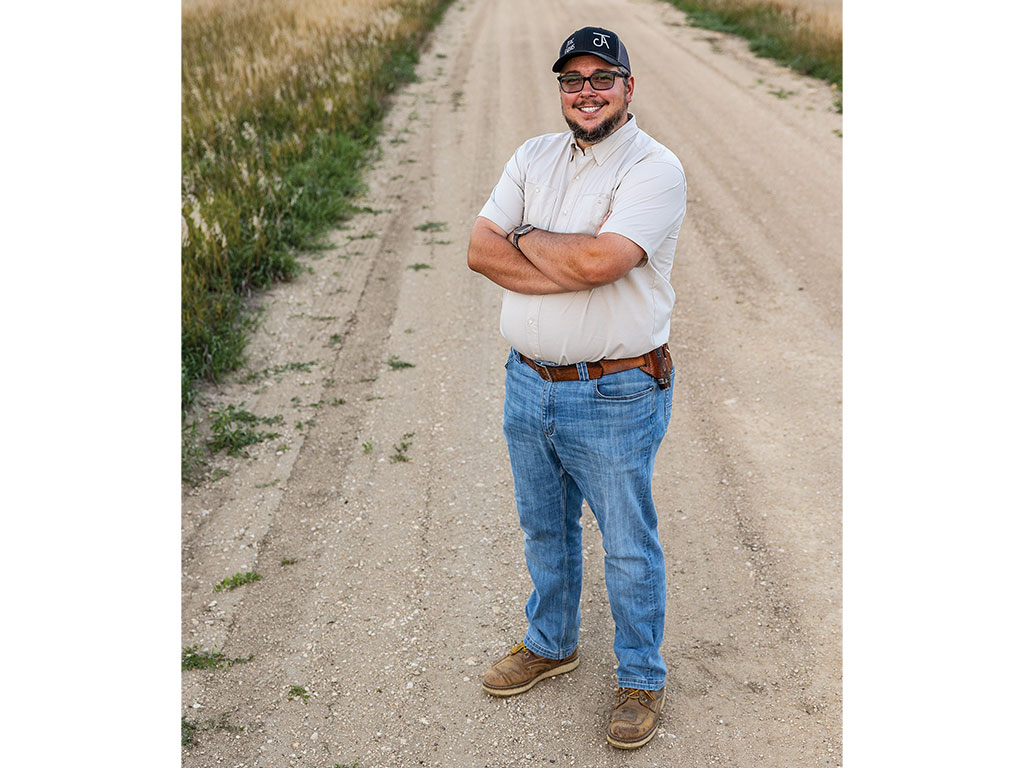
<point x="606" y="127"/>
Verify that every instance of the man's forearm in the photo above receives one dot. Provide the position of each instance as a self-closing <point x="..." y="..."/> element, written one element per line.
<point x="499" y="261"/>
<point x="580" y="262"/>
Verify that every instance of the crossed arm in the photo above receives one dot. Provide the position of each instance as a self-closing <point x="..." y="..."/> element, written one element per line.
<point x="550" y="262"/>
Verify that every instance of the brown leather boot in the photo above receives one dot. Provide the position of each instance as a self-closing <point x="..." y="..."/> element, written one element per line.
<point x="522" y="669"/>
<point x="635" y="717"/>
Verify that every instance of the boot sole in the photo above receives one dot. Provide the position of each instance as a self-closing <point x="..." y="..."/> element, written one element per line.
<point x="569" y="667"/>
<point x="635" y="744"/>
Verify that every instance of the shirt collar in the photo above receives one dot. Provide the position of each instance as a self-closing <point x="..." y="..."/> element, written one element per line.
<point x="604" y="148"/>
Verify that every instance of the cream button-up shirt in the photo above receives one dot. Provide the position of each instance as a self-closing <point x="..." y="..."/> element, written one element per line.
<point x="556" y="186"/>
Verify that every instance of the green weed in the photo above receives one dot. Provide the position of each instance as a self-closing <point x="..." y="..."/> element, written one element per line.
<point x="190" y="729"/>
<point x="276" y="370"/>
<point x="418" y="266"/>
<point x="193" y="460"/>
<point x="232" y="429"/>
<point x="367" y="446"/>
<point x="193" y="658"/>
<point x="298" y="692"/>
<point x="188" y="732"/>
<point x="233" y="582"/>
<point x="432" y="226"/>
<point x="288" y="561"/>
<point x="400" y="450"/>
<point x="397" y="365"/>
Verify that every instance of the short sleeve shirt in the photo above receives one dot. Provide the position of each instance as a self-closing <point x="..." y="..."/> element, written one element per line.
<point x="556" y="186"/>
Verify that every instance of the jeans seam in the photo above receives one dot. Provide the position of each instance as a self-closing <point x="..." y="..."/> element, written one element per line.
<point x="652" y="596"/>
<point x="565" y="565"/>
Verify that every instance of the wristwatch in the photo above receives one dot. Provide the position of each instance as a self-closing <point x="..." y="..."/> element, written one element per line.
<point x="519" y="232"/>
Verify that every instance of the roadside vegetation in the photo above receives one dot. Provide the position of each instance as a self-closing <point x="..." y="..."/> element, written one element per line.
<point x="193" y="658"/>
<point x="281" y="102"/>
<point x="804" y="36"/>
<point x="234" y="582"/>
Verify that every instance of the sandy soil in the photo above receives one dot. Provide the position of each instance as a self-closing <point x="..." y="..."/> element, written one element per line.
<point x="409" y="576"/>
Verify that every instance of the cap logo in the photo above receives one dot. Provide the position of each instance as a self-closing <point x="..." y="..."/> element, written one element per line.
<point x="601" y="41"/>
<point x="570" y="45"/>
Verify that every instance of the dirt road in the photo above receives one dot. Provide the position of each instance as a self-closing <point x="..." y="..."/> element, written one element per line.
<point x="387" y="585"/>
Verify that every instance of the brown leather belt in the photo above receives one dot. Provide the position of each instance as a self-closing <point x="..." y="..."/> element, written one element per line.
<point x="656" y="363"/>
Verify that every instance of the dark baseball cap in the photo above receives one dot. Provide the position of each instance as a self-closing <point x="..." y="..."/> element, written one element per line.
<point x="594" y="41"/>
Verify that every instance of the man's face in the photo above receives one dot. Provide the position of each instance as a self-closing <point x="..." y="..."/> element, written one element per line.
<point x="592" y="115"/>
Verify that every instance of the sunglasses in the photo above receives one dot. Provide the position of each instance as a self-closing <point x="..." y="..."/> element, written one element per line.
<point x="599" y="81"/>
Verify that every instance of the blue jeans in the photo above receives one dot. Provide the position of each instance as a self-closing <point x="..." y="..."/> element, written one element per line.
<point x="594" y="440"/>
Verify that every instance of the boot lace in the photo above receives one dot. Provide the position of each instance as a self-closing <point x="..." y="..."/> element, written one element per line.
<point x="645" y="698"/>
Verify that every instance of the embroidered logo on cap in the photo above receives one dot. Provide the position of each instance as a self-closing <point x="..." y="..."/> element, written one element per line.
<point x="570" y="45"/>
<point x="601" y="41"/>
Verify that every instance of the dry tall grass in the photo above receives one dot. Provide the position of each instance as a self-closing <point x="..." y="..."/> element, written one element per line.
<point x="805" y="34"/>
<point x="278" y="98"/>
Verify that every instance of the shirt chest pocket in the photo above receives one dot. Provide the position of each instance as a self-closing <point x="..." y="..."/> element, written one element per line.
<point x="546" y="209"/>
<point x="590" y="212"/>
<point x="541" y="206"/>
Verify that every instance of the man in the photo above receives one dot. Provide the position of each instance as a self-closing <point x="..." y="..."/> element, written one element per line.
<point x="581" y="232"/>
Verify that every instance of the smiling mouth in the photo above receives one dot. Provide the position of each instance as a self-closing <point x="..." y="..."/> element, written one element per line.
<point x="590" y="109"/>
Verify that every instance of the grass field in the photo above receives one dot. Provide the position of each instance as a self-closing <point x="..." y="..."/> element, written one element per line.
<point x="280" y="102"/>
<point x="806" y="35"/>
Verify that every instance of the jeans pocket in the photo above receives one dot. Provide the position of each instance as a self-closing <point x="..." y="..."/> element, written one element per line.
<point x="623" y="390"/>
